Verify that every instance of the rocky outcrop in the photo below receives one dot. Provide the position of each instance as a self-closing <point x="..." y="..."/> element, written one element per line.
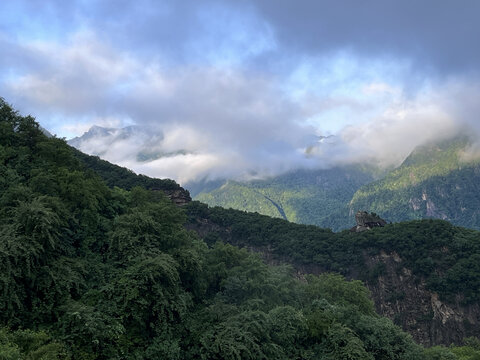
<point x="179" y="197"/>
<point x="367" y="221"/>
<point x="405" y="299"/>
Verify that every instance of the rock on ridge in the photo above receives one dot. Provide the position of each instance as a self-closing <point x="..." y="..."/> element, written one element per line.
<point x="367" y="221"/>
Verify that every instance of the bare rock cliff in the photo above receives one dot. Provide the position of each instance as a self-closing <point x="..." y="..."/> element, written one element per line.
<point x="406" y="300"/>
<point x="367" y="221"/>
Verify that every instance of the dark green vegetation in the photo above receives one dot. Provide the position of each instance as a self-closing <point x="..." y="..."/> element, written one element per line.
<point x="89" y="271"/>
<point x="448" y="257"/>
<point x="470" y="350"/>
<point x="440" y="180"/>
<point x="121" y="177"/>
<point x="318" y="197"/>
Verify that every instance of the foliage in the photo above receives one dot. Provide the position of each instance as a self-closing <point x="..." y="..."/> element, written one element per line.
<point x="445" y="255"/>
<point x="30" y="345"/>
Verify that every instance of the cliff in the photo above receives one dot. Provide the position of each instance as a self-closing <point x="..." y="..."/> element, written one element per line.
<point x="403" y="297"/>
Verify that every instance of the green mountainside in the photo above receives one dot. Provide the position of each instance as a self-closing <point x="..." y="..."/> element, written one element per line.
<point x="318" y="197"/>
<point x="440" y="180"/>
<point x="424" y="274"/>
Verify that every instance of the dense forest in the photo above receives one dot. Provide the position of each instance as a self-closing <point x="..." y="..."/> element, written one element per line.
<point x="446" y="255"/>
<point x="99" y="269"/>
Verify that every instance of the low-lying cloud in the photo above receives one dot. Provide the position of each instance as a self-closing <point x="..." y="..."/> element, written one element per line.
<point x="189" y="151"/>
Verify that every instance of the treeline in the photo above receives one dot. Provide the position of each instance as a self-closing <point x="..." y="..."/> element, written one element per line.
<point x="124" y="178"/>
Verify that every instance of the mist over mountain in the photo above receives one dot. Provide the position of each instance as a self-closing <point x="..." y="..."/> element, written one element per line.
<point x="120" y="144"/>
<point x="147" y="150"/>
<point x="192" y="159"/>
<point x="437" y="180"/>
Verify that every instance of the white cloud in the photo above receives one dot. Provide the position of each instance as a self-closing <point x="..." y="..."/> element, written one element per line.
<point x="213" y="122"/>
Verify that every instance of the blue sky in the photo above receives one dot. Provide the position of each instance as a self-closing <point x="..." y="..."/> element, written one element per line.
<point x="243" y="86"/>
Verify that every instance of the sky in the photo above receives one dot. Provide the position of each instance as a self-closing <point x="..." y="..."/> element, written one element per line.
<point x="241" y="89"/>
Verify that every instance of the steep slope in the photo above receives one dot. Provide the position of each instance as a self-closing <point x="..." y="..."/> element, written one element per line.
<point x="440" y="180"/>
<point x="318" y="197"/>
<point x="117" y="176"/>
<point x="424" y="274"/>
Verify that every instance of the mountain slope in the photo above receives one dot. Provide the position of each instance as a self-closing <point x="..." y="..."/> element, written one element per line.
<point x="440" y="180"/>
<point x="318" y="197"/>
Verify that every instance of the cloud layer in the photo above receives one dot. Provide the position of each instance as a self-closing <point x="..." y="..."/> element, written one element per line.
<point x="230" y="89"/>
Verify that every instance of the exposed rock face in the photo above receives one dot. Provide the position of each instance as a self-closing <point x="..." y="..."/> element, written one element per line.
<point x="367" y="221"/>
<point x="179" y="197"/>
<point x="401" y="297"/>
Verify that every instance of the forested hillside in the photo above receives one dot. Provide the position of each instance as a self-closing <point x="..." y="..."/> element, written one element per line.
<point x="93" y="272"/>
<point x="425" y="274"/>
<point x="317" y="197"/>
<point x="440" y="180"/>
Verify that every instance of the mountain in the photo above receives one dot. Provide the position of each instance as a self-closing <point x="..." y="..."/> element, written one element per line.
<point x="438" y="180"/>
<point x="106" y="136"/>
<point x="318" y="197"/>
<point x="138" y="143"/>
